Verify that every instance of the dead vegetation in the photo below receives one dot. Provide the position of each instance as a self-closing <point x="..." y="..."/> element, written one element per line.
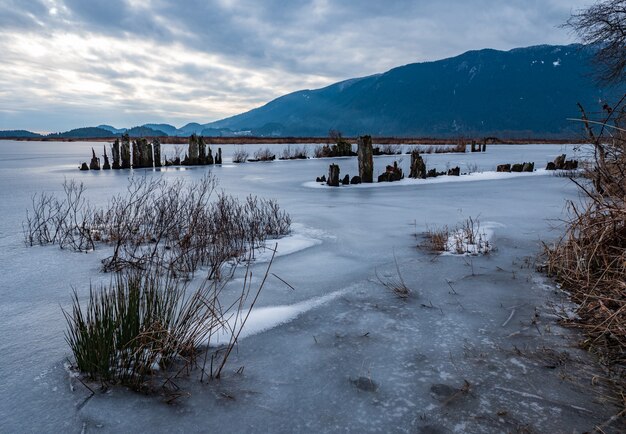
<point x="176" y="226"/>
<point x="146" y="329"/>
<point x="467" y="238"/>
<point x="589" y="260"/>
<point x="395" y="283"/>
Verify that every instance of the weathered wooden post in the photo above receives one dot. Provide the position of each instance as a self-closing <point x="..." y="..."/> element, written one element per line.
<point x="193" y="153"/>
<point x="106" y="165"/>
<point x="156" y="148"/>
<point x="366" y="159"/>
<point x="136" y="155"/>
<point x="146" y="153"/>
<point x="201" y="151"/>
<point x="125" y="152"/>
<point x="418" y="167"/>
<point x="115" y="152"/>
<point x="333" y="175"/>
<point x="95" y="161"/>
<point x="559" y="162"/>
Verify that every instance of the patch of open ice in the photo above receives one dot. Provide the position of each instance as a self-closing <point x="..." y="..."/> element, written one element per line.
<point x="476" y="176"/>
<point x="265" y="318"/>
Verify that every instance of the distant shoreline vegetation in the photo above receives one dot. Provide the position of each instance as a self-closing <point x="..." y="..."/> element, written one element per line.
<point x="299" y="140"/>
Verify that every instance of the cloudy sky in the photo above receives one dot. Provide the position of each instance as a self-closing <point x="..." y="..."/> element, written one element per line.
<point x="72" y="63"/>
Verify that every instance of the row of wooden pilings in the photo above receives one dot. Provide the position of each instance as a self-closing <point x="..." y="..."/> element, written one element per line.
<point x="148" y="154"/>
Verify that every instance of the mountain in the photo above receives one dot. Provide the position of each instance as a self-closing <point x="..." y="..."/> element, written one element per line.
<point x="82" y="133"/>
<point x="169" y="130"/>
<point x="525" y="92"/>
<point x="112" y="129"/>
<point x="144" y="131"/>
<point x="18" y="134"/>
<point x="190" y="128"/>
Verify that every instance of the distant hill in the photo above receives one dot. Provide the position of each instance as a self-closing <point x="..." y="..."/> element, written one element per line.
<point x="144" y="131"/>
<point x="82" y="133"/>
<point x="519" y="93"/>
<point x="18" y="134"/>
<point x="168" y="129"/>
<point x="190" y="128"/>
<point x="112" y="129"/>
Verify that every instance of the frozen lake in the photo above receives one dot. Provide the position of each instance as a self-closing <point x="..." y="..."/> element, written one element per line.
<point x="476" y="348"/>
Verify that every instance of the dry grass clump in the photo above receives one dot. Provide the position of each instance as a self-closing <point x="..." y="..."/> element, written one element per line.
<point x="590" y="259"/>
<point x="437" y="238"/>
<point x="467" y="238"/>
<point x="136" y="329"/>
<point x="395" y="284"/>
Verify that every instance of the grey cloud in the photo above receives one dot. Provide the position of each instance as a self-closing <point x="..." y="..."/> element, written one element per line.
<point x="293" y="44"/>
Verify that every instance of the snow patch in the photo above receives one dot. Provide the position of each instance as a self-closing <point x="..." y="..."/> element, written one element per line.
<point x="301" y="238"/>
<point x="476" y="176"/>
<point x="265" y="318"/>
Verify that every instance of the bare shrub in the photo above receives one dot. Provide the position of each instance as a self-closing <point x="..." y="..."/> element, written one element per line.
<point x="67" y="221"/>
<point x="473" y="168"/>
<point x="174" y="225"/>
<point x="390" y="149"/>
<point x="264" y="155"/>
<point x="440" y="149"/>
<point x="296" y="153"/>
<point x="240" y="155"/>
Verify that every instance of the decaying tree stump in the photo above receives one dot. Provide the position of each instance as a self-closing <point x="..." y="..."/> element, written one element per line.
<point x="218" y="157"/>
<point x="418" y="167"/>
<point x="503" y="168"/>
<point x="156" y="149"/>
<point x="366" y="159"/>
<point x="209" y="158"/>
<point x="201" y="151"/>
<point x="125" y="152"/>
<point x="84" y="166"/>
<point x="333" y="175"/>
<point x="115" y="152"/>
<point x="346" y="180"/>
<point x="193" y="151"/>
<point x="95" y="161"/>
<point x="392" y="173"/>
<point x="455" y="171"/>
<point x="559" y="162"/>
<point x="528" y="167"/>
<point x="106" y="165"/>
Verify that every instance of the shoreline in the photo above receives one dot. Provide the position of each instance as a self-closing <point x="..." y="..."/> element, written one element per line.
<point x="250" y="140"/>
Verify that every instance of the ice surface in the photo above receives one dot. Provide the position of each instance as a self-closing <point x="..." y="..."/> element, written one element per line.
<point x="310" y="352"/>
